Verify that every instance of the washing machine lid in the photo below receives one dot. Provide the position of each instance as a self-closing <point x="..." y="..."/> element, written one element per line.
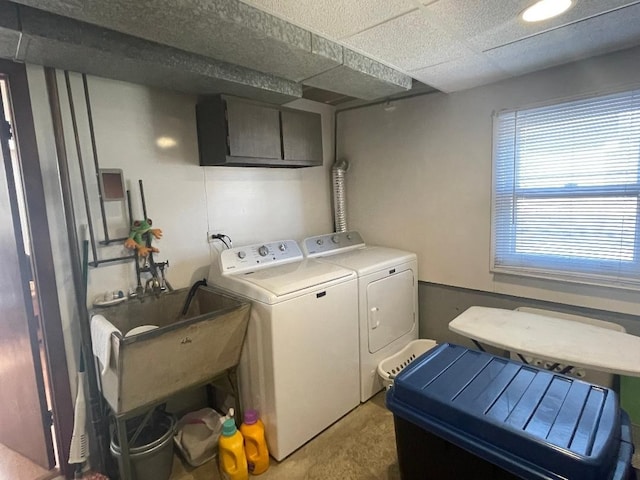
<point x="368" y="260"/>
<point x="285" y="279"/>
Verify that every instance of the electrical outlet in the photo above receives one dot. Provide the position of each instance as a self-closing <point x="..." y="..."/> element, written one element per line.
<point x="211" y="233"/>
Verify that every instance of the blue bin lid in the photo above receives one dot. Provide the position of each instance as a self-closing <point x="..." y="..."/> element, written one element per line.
<point x="534" y="423"/>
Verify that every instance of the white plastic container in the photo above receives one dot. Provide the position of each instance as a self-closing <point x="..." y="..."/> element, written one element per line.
<point x="391" y="366"/>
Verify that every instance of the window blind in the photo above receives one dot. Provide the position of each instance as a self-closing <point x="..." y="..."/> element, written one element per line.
<point x="566" y="193"/>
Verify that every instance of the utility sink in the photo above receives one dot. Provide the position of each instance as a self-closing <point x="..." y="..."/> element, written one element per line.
<point x="184" y="351"/>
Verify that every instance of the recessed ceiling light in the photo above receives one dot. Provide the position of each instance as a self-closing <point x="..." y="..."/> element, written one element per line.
<point x="545" y="9"/>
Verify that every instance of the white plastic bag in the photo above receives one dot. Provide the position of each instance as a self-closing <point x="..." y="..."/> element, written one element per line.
<point x="197" y="436"/>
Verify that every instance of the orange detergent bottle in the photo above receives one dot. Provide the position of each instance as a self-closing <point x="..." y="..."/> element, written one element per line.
<point x="233" y="462"/>
<point x="255" y="445"/>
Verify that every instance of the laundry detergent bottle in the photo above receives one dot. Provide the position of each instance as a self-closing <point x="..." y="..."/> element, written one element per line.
<point x="233" y="462"/>
<point x="255" y="445"/>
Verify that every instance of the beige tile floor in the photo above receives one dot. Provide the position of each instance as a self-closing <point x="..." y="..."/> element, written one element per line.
<point x="14" y="466"/>
<point x="360" y="446"/>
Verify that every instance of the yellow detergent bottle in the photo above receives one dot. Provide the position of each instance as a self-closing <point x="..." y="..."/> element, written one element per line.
<point x="255" y="445"/>
<point x="233" y="462"/>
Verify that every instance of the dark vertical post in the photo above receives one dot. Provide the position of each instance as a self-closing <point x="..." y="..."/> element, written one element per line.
<point x="94" y="148"/>
<point x="74" y="124"/>
<point x="94" y="395"/>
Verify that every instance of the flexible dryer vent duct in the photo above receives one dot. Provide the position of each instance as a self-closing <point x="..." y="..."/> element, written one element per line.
<point x="339" y="199"/>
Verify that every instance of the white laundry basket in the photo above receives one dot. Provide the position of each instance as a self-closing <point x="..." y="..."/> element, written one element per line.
<point x="391" y="366"/>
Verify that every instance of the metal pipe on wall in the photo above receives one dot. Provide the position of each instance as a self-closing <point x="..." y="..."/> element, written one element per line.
<point x="76" y="267"/>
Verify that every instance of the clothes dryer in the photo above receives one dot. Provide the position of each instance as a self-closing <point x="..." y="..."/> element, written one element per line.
<point x="299" y="365"/>
<point x="387" y="297"/>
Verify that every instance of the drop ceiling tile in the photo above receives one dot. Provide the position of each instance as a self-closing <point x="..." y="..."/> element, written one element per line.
<point x="467" y="72"/>
<point x="226" y="30"/>
<point x="606" y="33"/>
<point x="490" y="23"/>
<point x="9" y="30"/>
<point x="361" y="77"/>
<point x="335" y="18"/>
<point x="408" y="42"/>
<point x="9" y="40"/>
<point x="9" y="16"/>
<point x="68" y="44"/>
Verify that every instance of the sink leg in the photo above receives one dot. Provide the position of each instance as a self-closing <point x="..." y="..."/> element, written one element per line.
<point x="125" y="464"/>
<point x="233" y="381"/>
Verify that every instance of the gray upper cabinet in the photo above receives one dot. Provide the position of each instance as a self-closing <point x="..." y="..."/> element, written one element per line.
<point x="301" y="136"/>
<point x="239" y="132"/>
<point x="254" y="130"/>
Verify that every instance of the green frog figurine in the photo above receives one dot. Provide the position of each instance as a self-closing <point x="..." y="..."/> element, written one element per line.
<point x="139" y="229"/>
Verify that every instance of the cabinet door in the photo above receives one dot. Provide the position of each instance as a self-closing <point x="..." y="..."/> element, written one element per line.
<point x="302" y="137"/>
<point x="254" y="130"/>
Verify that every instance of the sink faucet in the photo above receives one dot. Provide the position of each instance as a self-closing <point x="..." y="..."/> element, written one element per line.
<point x="153" y="285"/>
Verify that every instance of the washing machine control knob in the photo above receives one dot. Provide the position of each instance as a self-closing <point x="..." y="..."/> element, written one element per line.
<point x="335" y="239"/>
<point x="319" y="241"/>
<point x="263" y="251"/>
<point x="242" y="254"/>
<point x="282" y="247"/>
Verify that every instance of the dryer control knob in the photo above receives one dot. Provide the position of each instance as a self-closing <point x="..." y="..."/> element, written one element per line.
<point x="242" y="254"/>
<point x="263" y="251"/>
<point x="282" y="247"/>
<point x="335" y="239"/>
<point x="319" y="241"/>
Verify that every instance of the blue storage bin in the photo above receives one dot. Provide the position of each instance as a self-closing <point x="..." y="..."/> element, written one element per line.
<point x="461" y="413"/>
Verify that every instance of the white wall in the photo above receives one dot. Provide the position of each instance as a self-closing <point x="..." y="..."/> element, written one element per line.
<point x="420" y="176"/>
<point x="183" y="199"/>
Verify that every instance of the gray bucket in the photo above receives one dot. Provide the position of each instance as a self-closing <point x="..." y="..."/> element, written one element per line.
<point x="154" y="459"/>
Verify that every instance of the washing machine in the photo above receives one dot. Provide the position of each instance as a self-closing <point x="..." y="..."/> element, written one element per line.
<point x="387" y="297"/>
<point x="299" y="364"/>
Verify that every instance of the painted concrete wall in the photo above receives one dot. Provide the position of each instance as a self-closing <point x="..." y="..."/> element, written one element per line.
<point x="185" y="200"/>
<point x="420" y="176"/>
<point x="440" y="304"/>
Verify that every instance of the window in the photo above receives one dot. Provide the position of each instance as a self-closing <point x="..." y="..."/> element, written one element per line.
<point x="566" y="193"/>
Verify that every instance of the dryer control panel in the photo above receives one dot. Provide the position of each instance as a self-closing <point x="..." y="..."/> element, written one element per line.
<point x="252" y="257"/>
<point x="331" y="243"/>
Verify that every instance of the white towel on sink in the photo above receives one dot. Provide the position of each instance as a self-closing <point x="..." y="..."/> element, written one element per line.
<point x="101" y="330"/>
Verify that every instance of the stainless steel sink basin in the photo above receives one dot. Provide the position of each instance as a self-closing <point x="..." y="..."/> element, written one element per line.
<point x="183" y="352"/>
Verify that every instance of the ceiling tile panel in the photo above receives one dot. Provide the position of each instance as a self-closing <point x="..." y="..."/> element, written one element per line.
<point x="65" y="43"/>
<point x="490" y="23"/>
<point x="335" y="18"/>
<point x="9" y="40"/>
<point x="226" y="30"/>
<point x="9" y="34"/>
<point x="361" y="77"/>
<point x="599" y="35"/>
<point x="460" y="74"/>
<point x="408" y="42"/>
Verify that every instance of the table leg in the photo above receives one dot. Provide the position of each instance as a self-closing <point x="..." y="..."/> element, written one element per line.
<point x="477" y="344"/>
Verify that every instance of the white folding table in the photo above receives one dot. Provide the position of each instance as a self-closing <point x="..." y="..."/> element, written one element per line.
<point x="566" y="342"/>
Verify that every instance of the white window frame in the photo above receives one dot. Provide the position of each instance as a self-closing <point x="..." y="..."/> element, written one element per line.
<point x="541" y="266"/>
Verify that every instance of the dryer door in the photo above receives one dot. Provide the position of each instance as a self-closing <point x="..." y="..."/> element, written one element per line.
<point x="390" y="308"/>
